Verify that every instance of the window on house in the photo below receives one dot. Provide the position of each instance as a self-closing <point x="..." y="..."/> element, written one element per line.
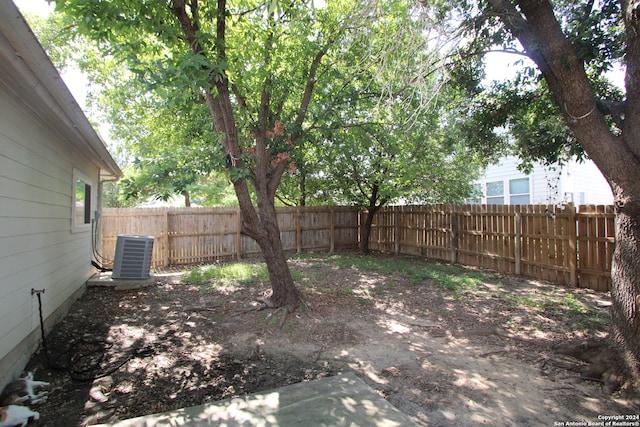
<point x="82" y="201"/>
<point x="519" y="191"/>
<point x="495" y="193"/>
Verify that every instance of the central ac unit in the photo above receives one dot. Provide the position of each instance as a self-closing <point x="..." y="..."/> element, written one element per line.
<point x="133" y="257"/>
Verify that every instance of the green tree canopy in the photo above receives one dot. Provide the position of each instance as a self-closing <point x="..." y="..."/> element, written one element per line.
<point x="573" y="45"/>
<point x="265" y="72"/>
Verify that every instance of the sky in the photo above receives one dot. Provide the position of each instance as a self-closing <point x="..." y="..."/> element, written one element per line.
<point x="74" y="79"/>
<point x="500" y="66"/>
<point x="37" y="7"/>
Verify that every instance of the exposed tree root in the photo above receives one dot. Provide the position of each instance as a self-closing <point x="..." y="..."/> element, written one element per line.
<point x="494" y="353"/>
<point x="252" y="309"/>
<point x="283" y="319"/>
<point x="210" y="308"/>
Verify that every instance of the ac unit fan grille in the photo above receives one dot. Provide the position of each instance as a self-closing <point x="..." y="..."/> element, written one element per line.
<point x="133" y="257"/>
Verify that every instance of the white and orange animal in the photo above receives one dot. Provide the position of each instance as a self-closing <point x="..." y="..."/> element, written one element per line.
<point x="15" y="415"/>
<point x="22" y="391"/>
<point x="16" y="398"/>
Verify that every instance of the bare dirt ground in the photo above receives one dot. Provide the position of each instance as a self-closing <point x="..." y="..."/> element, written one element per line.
<point x="501" y="354"/>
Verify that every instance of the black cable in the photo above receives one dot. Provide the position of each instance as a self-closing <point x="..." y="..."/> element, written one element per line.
<point x="99" y="258"/>
<point x="74" y="354"/>
<point x="99" y="267"/>
<point x="44" y="341"/>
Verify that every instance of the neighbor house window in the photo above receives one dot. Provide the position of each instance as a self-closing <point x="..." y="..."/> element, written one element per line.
<point x="495" y="193"/>
<point x="519" y="191"/>
<point x="82" y="200"/>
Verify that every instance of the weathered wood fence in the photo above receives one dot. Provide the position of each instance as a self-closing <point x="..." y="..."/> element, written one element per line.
<point x="199" y="235"/>
<point x="563" y="245"/>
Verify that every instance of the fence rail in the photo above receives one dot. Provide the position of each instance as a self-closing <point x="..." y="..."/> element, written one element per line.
<point x="568" y="245"/>
<point x="197" y="235"/>
<point x="565" y="245"/>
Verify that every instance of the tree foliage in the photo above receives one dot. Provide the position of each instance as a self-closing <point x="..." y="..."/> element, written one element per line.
<point x="573" y="45"/>
<point x="273" y="77"/>
<point x="525" y="106"/>
<point x="390" y="65"/>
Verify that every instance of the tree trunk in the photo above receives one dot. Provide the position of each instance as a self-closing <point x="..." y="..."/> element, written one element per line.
<point x="366" y="229"/>
<point x="366" y="232"/>
<point x="374" y="206"/>
<point x="303" y="189"/>
<point x="625" y="289"/>
<point x="617" y="156"/>
<point x="284" y="291"/>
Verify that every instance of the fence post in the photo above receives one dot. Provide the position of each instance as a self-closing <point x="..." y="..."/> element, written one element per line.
<point x="572" y="253"/>
<point x="332" y="240"/>
<point x="167" y="255"/>
<point x="298" y="230"/>
<point x="360" y="227"/>
<point x="396" y="228"/>
<point x="239" y="235"/>
<point x="454" y="236"/>
<point x="518" y="242"/>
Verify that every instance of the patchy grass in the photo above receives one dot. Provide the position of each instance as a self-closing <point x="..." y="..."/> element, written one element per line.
<point x="561" y="304"/>
<point x="461" y="285"/>
<point x="243" y="273"/>
<point x="571" y="302"/>
<point x="449" y="277"/>
<point x="454" y="282"/>
<point x="529" y="301"/>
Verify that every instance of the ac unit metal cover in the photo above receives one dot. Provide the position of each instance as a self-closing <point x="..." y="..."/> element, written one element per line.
<point x="133" y="257"/>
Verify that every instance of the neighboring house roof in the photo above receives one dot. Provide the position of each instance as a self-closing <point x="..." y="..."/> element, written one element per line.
<point x="27" y="71"/>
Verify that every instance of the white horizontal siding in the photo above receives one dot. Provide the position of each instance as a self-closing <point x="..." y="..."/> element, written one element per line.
<point x="504" y="170"/>
<point x="549" y="186"/>
<point x="586" y="181"/>
<point x="38" y="248"/>
<point x="545" y="185"/>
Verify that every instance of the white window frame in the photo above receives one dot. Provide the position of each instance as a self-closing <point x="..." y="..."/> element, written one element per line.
<point x="81" y="221"/>
<point x="528" y="193"/>
<point x="491" y="200"/>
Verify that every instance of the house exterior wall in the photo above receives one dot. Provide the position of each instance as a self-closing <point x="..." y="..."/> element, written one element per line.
<point x="586" y="185"/>
<point x="40" y="248"/>
<point x="581" y="183"/>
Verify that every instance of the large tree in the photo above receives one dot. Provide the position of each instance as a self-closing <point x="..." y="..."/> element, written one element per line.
<point x="259" y="67"/>
<point x="386" y="136"/>
<point x="572" y="45"/>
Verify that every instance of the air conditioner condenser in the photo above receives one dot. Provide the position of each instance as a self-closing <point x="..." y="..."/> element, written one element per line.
<point x="133" y="257"/>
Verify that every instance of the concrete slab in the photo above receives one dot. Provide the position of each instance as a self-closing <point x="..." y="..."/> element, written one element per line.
<point x="343" y="400"/>
<point x="105" y="279"/>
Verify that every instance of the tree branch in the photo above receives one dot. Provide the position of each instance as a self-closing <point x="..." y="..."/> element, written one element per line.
<point x="541" y="36"/>
<point x="219" y="106"/>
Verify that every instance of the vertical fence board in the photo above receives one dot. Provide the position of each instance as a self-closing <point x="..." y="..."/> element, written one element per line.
<point x="197" y="235"/>
<point x="566" y="245"/>
<point x="595" y="242"/>
<point x="555" y="243"/>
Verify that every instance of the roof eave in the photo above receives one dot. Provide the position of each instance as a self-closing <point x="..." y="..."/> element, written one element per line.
<point x="30" y="74"/>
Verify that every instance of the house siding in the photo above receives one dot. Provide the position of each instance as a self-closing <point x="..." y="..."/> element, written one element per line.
<point x="38" y="247"/>
<point x="588" y="185"/>
<point x="581" y="182"/>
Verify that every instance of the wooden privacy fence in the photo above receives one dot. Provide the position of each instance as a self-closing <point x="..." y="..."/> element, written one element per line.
<point x="561" y="244"/>
<point x="198" y="235"/>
